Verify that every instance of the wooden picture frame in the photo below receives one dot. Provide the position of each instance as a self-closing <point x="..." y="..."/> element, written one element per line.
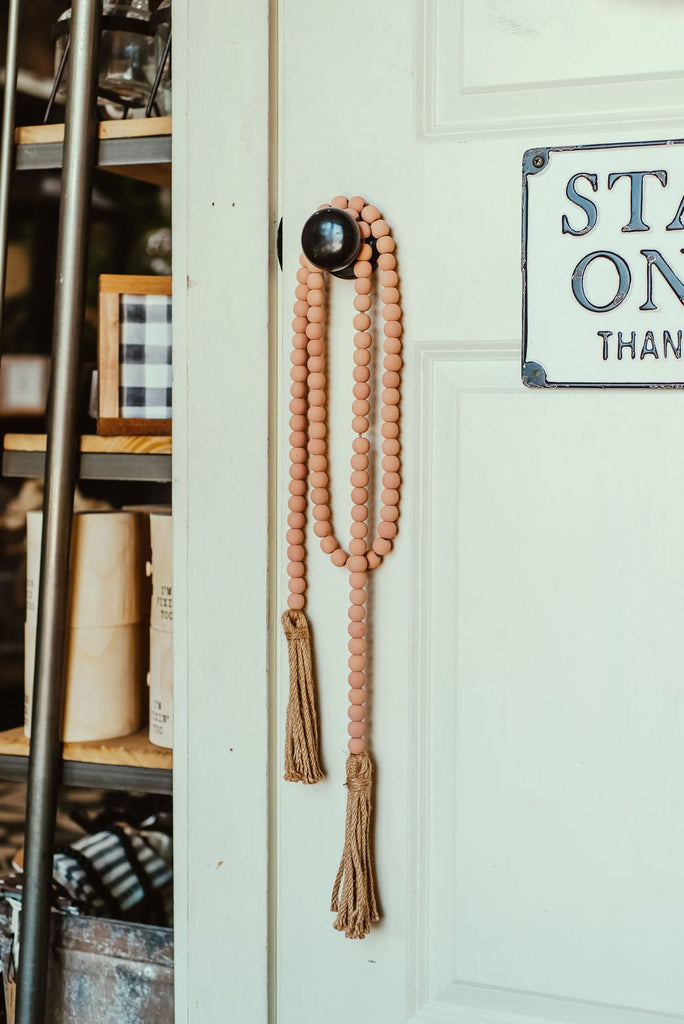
<point x="109" y="419"/>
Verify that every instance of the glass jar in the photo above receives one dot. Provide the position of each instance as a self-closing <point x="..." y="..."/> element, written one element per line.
<point x="126" y="52"/>
<point x="161" y="23"/>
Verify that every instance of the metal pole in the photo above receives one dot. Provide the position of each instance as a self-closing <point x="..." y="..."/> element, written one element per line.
<point x="7" y="140"/>
<point x="60" y="478"/>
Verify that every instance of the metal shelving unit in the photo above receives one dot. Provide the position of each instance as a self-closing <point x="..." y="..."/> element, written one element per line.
<point x="98" y="459"/>
<point x="141" y="151"/>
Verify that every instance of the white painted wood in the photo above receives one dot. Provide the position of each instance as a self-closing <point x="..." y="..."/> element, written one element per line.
<point x="221" y="244"/>
<point x="526" y="662"/>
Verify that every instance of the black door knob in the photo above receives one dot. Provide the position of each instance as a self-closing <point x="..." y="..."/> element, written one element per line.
<point x="331" y="241"/>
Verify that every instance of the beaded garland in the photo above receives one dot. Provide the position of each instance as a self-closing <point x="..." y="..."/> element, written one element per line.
<point x="354" y="891"/>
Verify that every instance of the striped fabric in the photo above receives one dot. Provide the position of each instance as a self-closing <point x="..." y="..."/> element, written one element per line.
<point x="145" y="357"/>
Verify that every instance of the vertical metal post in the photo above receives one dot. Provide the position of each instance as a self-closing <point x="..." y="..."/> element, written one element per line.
<point x="7" y="139"/>
<point x="60" y="478"/>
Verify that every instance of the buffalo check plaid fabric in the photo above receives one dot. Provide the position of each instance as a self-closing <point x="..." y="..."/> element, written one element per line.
<point x="145" y="357"/>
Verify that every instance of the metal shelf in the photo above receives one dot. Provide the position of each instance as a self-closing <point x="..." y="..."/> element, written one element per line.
<point x="101" y="458"/>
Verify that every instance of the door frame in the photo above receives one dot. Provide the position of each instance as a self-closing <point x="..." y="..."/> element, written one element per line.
<point x="222" y="228"/>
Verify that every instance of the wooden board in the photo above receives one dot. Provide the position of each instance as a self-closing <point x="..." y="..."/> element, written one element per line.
<point x="135" y="284"/>
<point x="133" y="751"/>
<point x="137" y="127"/>
<point x="133" y="445"/>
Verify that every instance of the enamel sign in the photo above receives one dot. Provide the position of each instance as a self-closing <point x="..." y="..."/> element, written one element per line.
<point x="603" y="266"/>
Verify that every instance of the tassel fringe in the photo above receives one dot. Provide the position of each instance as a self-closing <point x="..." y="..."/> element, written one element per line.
<point x="353" y="896"/>
<point x="302" y="759"/>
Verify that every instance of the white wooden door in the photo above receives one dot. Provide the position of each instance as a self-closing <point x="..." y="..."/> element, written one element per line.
<point x="527" y="684"/>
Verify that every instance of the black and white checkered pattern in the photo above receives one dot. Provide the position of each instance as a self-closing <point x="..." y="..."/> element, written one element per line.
<point x="145" y="357"/>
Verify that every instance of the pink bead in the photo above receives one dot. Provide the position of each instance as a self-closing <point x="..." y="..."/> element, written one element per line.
<point x="322" y="529"/>
<point x="316" y="297"/>
<point x="315" y="364"/>
<point x="318" y="463"/>
<point x="357" y="612"/>
<point x="296" y="520"/>
<point x="390" y="379"/>
<point x="374" y="560"/>
<point x="391" y="480"/>
<point x="296" y="602"/>
<point x="298" y="406"/>
<point x="297" y="487"/>
<point x="298" y="438"/>
<point x="392" y="362"/>
<point x="388" y="295"/>
<point x="386" y="244"/>
<point x="359" y="513"/>
<point x="361" y="357"/>
<point x="360" y="407"/>
<point x="357" y="577"/>
<point x="297" y="471"/>
<point x="320" y="496"/>
<point x="339" y="557"/>
<point x="387" y="261"/>
<point x="357" y="546"/>
<point x="361" y="322"/>
<point x="361" y="391"/>
<point x="365" y="252"/>
<point x="340" y="202"/>
<point x="359" y="478"/>
<point x="359" y="495"/>
<point x="392" y="311"/>
<point x="392" y="329"/>
<point x="328" y="545"/>
<point x="356" y="662"/>
<point x="363" y="285"/>
<point x="356" y="746"/>
<point x="317" y="397"/>
<point x="295" y="553"/>
<point x="298" y="586"/>
<point x="356" y="629"/>
<point x="390" y="496"/>
<point x="314" y="332"/>
<point x="356" y="693"/>
<point x="356" y="712"/>
<point x="295" y="569"/>
<point x="363" y="340"/>
<point x="315" y="280"/>
<point x="319" y="479"/>
<point x="295" y="537"/>
<point x="361" y="446"/>
<point x="381" y="546"/>
<point x="322" y="512"/>
<point x="298" y="423"/>
<point x="361" y="374"/>
<point x="357" y="203"/>
<point x="300" y="308"/>
<point x="298" y="455"/>
<point x="379" y="229"/>
<point x="357" y="645"/>
<point x="317" y="414"/>
<point x="362" y="269"/>
<point x="353" y="213"/>
<point x="302" y="275"/>
<point x="302" y="291"/>
<point x="302" y="258"/>
<point x="391" y="447"/>
<point x="389" y="278"/>
<point x="317" y="446"/>
<point x="298" y="389"/>
<point x="390" y="430"/>
<point x="370" y="214"/>
<point x="391" y="464"/>
<point x="358" y="597"/>
<point x="357" y="563"/>
<point x="363" y="303"/>
<point x="360" y="424"/>
<point x="387" y="531"/>
<point x="316" y="380"/>
<point x="299" y="327"/>
<point x="315" y="314"/>
<point x="391" y="396"/>
<point x="390" y="414"/>
<point x="356" y="729"/>
<point x="389" y="513"/>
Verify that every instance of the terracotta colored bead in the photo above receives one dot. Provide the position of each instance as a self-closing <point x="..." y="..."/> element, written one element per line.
<point x="357" y="645"/>
<point x="356" y="712"/>
<point x="315" y="364"/>
<point x="392" y="362"/>
<point x="317" y="430"/>
<point x="389" y="296"/>
<point x="302" y="275"/>
<point x="373" y="559"/>
<point x="295" y="537"/>
<point x="360" y="424"/>
<point x="361" y="322"/>
<point x="319" y="479"/>
<point x="297" y="472"/>
<point x="359" y="495"/>
<point x="390" y="513"/>
<point x="296" y="602"/>
<point x="320" y="496"/>
<point x="361" y="391"/>
<point x="364" y="229"/>
<point x="340" y="202"/>
<point x="363" y="286"/>
<point x="318" y="463"/>
<point x="390" y="496"/>
<point x="356" y="629"/>
<point x="370" y="214"/>
<point x="365" y="252"/>
<point x="328" y="544"/>
<point x="357" y="545"/>
<point x="359" y="513"/>
<point x="295" y="553"/>
<point x="361" y="357"/>
<point x="357" y="729"/>
<point x="361" y="445"/>
<point x="357" y="613"/>
<point x="298" y="389"/>
<point x="392" y="331"/>
<point x="357" y="203"/>
<point x="339" y="557"/>
<point x="360" y="407"/>
<point x="298" y="407"/>
<point x="386" y="244"/>
<point x="357" y="579"/>
<point x="357" y="563"/>
<point x="356" y="662"/>
<point x="389" y="278"/>
<point x="391" y="464"/>
<point x="381" y="546"/>
<point x="392" y="311"/>
<point x="317" y="414"/>
<point x="314" y="332"/>
<point x="299" y="327"/>
<point x="361" y="374"/>
<point x="391" y="480"/>
<point x="356" y="746"/>
<point x="316" y="297"/>
<point x="361" y="270"/>
<point x="315" y="280"/>
<point x="359" y="478"/>
<point x="358" y="597"/>
<point x="387" y="530"/>
<point x="298" y="586"/>
<point x="390" y="379"/>
<point x="391" y="446"/>
<point x="298" y="423"/>
<point x="297" y="488"/>
<point x="299" y="373"/>
<point x="390" y="414"/>
<point x="391" y="396"/>
<point x="322" y="513"/>
<point x="302" y="258"/>
<point x="356" y="694"/>
<point x="298" y="357"/>
<point x="353" y="213"/>
<point x="322" y="529"/>
<point x="300" y="308"/>
<point x="295" y="569"/>
<point x="317" y="397"/>
<point x="315" y="314"/>
<point x="316" y="380"/>
<point x="390" y="430"/>
<point x="363" y="303"/>
<point x="302" y="291"/>
<point x="363" y="340"/>
<point x="296" y="520"/>
<point x="386" y="261"/>
<point x="379" y="228"/>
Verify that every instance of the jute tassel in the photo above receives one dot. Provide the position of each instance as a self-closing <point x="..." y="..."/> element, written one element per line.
<point x="302" y="760"/>
<point x="355" y="905"/>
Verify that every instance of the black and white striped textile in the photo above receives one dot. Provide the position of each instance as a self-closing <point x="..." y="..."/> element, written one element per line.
<point x="145" y="357"/>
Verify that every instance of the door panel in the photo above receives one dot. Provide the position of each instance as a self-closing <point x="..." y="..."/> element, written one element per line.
<point x="526" y="670"/>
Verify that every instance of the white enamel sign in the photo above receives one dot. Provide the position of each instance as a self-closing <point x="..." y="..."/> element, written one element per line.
<point x="603" y="266"/>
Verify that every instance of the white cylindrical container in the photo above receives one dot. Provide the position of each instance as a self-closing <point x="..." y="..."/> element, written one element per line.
<point x="107" y="623"/>
<point x="161" y="630"/>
